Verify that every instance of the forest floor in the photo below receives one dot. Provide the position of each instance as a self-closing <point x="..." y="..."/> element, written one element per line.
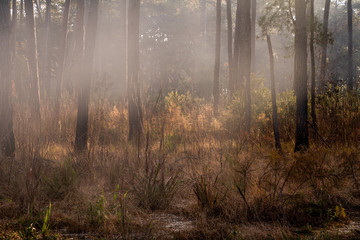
<point x="193" y="176"/>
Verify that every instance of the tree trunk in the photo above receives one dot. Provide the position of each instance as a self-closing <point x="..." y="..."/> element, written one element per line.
<point x="79" y="46"/>
<point x="123" y="36"/>
<point x="61" y="54"/>
<point x="350" y="47"/>
<point x="245" y="58"/>
<point x="7" y="140"/>
<point x="13" y="30"/>
<point x="234" y="83"/>
<point x="312" y="59"/>
<point x="273" y="94"/>
<point x="38" y="9"/>
<point x="253" y="32"/>
<point x="230" y="39"/>
<point x="21" y="11"/>
<point x="46" y="71"/>
<point x="32" y="55"/>
<point x="87" y="75"/>
<point x="134" y="102"/>
<point x="13" y="37"/>
<point x="300" y="77"/>
<point x="217" y="57"/>
<point x="324" y="46"/>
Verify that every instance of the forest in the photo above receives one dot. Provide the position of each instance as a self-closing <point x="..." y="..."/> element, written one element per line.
<point x="179" y="119"/>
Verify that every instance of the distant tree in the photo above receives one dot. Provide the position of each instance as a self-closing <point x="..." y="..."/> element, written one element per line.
<point x="217" y="57"/>
<point x="32" y="56"/>
<point x="273" y="19"/>
<point x="61" y="57"/>
<point x="350" y="47"/>
<point x="273" y="93"/>
<point x="300" y="77"/>
<point x="229" y="39"/>
<point x="134" y="101"/>
<point x="234" y="83"/>
<point x="87" y="74"/>
<point x="46" y="65"/>
<point x="21" y="11"/>
<point x="245" y="57"/>
<point x="13" y="30"/>
<point x="253" y="33"/>
<point x="7" y="140"/>
<point x="312" y="65"/>
<point x="324" y="45"/>
<point x="123" y="36"/>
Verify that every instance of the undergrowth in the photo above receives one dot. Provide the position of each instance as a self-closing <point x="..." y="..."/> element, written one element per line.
<point x="206" y="170"/>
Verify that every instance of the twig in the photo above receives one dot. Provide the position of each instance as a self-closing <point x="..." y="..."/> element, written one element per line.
<point x="316" y="131"/>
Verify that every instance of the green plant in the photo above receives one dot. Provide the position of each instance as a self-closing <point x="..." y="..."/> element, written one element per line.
<point x="152" y="192"/>
<point x="27" y="228"/>
<point x="119" y="207"/>
<point x="45" y="229"/>
<point x="96" y="212"/>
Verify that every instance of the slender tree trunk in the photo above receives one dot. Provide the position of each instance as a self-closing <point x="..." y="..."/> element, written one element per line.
<point x="21" y="11"/>
<point x="87" y="69"/>
<point x="134" y="101"/>
<point x="7" y="140"/>
<point x="217" y="57"/>
<point x="245" y="58"/>
<point x="38" y="8"/>
<point x="324" y="46"/>
<point x="123" y="37"/>
<point x="253" y="32"/>
<point x="230" y="39"/>
<point x="32" y="55"/>
<point x="46" y="71"/>
<point x="13" y="33"/>
<point x="350" y="47"/>
<point x="273" y="94"/>
<point x="234" y="83"/>
<point x="312" y="56"/>
<point x="62" y="48"/>
<point x="78" y="78"/>
<point x="300" y="77"/>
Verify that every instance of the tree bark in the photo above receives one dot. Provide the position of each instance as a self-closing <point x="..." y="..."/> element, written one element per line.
<point x="350" y="47"/>
<point x="324" y="46"/>
<point x="253" y="32"/>
<point x="230" y="39"/>
<point x="217" y="57"/>
<point x="13" y="35"/>
<point x="134" y="101"/>
<point x="7" y="140"/>
<point x="300" y="77"/>
<point x="312" y="59"/>
<point x="79" y="45"/>
<point x="46" y="71"/>
<point x="32" y="55"/>
<point x="273" y="94"/>
<point x="245" y="58"/>
<point x="21" y="11"/>
<point x="234" y="84"/>
<point x="123" y="37"/>
<point x="62" y="48"/>
<point x="87" y="75"/>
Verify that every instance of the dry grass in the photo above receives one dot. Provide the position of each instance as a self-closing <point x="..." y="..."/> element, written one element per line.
<point x="208" y="181"/>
